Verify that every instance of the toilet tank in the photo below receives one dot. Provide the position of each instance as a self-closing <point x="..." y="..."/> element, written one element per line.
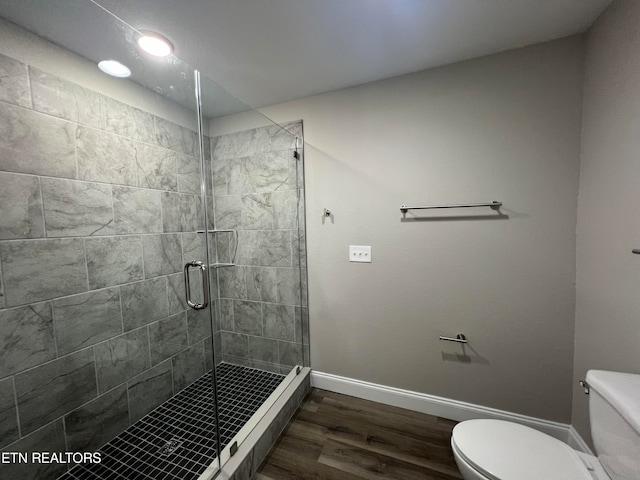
<point x="614" y="410"/>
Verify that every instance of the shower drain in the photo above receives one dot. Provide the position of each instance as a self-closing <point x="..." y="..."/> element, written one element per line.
<point x="170" y="447"/>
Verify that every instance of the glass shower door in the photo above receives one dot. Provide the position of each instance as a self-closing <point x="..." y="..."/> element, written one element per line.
<point x="102" y="206"/>
<point x="257" y="242"/>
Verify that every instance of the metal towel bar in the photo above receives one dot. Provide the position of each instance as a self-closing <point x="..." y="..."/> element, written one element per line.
<point x="460" y="338"/>
<point x="494" y="205"/>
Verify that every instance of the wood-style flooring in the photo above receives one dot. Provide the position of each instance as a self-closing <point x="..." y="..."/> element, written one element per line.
<point x="337" y="437"/>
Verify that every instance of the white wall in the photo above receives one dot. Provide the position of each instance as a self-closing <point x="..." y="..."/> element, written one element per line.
<point x="608" y="274"/>
<point x="504" y="127"/>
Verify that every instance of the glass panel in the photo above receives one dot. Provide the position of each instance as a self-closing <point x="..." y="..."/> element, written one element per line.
<point x="102" y="203"/>
<point x="257" y="209"/>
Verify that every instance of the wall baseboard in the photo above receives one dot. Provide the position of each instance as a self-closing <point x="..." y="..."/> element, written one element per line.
<point x="441" y="407"/>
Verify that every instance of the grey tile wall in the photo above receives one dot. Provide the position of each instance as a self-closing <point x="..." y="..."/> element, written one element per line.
<point x="105" y="157"/>
<point x="46" y="145"/>
<point x="127" y="121"/>
<point x="99" y="203"/>
<point x="259" y="190"/>
<point x="149" y="389"/>
<point x="162" y="254"/>
<point x="51" y="436"/>
<point x="27" y="335"/>
<point x="86" y="319"/>
<point x="176" y="138"/>
<point x="168" y="337"/>
<point x="113" y="260"/>
<point x="121" y="358"/>
<point x="2" y="303"/>
<point x="95" y="423"/>
<point x="180" y="212"/>
<point x="14" y="87"/>
<point x="198" y="326"/>
<point x="279" y="321"/>
<point x="53" y="389"/>
<point x="235" y="344"/>
<point x="8" y="414"/>
<point x="21" y="199"/>
<point x="247" y="317"/>
<point x="76" y="209"/>
<point x="137" y="210"/>
<point x="156" y="168"/>
<point x="37" y="270"/>
<point x="188" y="366"/>
<point x="61" y="98"/>
<point x="144" y="302"/>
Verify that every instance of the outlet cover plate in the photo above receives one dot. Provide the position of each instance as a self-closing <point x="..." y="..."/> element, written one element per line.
<point x="360" y="253"/>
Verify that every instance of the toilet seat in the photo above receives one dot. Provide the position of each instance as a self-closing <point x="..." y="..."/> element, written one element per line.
<point x="502" y="450"/>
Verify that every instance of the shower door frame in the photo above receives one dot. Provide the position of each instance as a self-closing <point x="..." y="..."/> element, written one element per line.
<point x="216" y="463"/>
<point x="212" y="227"/>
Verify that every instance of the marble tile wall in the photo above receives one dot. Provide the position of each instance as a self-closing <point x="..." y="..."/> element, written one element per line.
<point x="259" y="191"/>
<point x="99" y="207"/>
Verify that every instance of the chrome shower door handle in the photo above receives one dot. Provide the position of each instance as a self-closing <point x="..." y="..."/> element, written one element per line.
<point x="205" y="285"/>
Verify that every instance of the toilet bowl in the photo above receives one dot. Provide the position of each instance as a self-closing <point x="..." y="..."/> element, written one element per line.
<point x="500" y="450"/>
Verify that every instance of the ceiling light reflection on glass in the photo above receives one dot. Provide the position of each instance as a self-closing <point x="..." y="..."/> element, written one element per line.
<point x="155" y="44"/>
<point x="114" y="68"/>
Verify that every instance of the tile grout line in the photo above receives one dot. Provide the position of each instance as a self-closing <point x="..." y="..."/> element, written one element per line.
<point x="103" y="126"/>
<point x="117" y="235"/>
<point x="113" y="212"/>
<point x="126" y="387"/>
<point x="15" y="398"/>
<point x="95" y="371"/>
<point x="86" y="263"/>
<point x="86" y="292"/>
<point x="6" y="448"/>
<point x="141" y="249"/>
<point x="148" y="327"/>
<point x="64" y="433"/>
<point x="44" y="222"/>
<point x="3" y="293"/>
<point x="29" y="86"/>
<point x="54" y="324"/>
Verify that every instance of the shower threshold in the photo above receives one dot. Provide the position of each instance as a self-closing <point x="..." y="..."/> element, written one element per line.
<point x="176" y="441"/>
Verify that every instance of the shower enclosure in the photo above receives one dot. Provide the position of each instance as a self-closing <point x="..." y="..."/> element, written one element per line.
<point x="152" y="256"/>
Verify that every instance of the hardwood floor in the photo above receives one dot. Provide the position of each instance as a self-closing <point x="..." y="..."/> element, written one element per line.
<point x="336" y="437"/>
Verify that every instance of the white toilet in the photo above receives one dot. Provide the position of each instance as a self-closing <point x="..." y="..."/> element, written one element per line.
<point x="499" y="450"/>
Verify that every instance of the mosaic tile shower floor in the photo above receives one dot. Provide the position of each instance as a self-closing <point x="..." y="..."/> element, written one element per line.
<point x="176" y="440"/>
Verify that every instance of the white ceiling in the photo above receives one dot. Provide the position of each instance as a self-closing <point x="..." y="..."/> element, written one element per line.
<point x="270" y="51"/>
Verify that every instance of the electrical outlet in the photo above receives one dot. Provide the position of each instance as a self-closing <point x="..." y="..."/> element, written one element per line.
<point x="360" y="253"/>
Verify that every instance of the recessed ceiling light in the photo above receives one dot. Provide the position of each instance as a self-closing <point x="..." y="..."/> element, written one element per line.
<point x="114" y="68"/>
<point x="155" y="44"/>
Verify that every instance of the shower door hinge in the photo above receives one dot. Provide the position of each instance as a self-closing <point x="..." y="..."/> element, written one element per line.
<point x="233" y="449"/>
<point x="296" y="155"/>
